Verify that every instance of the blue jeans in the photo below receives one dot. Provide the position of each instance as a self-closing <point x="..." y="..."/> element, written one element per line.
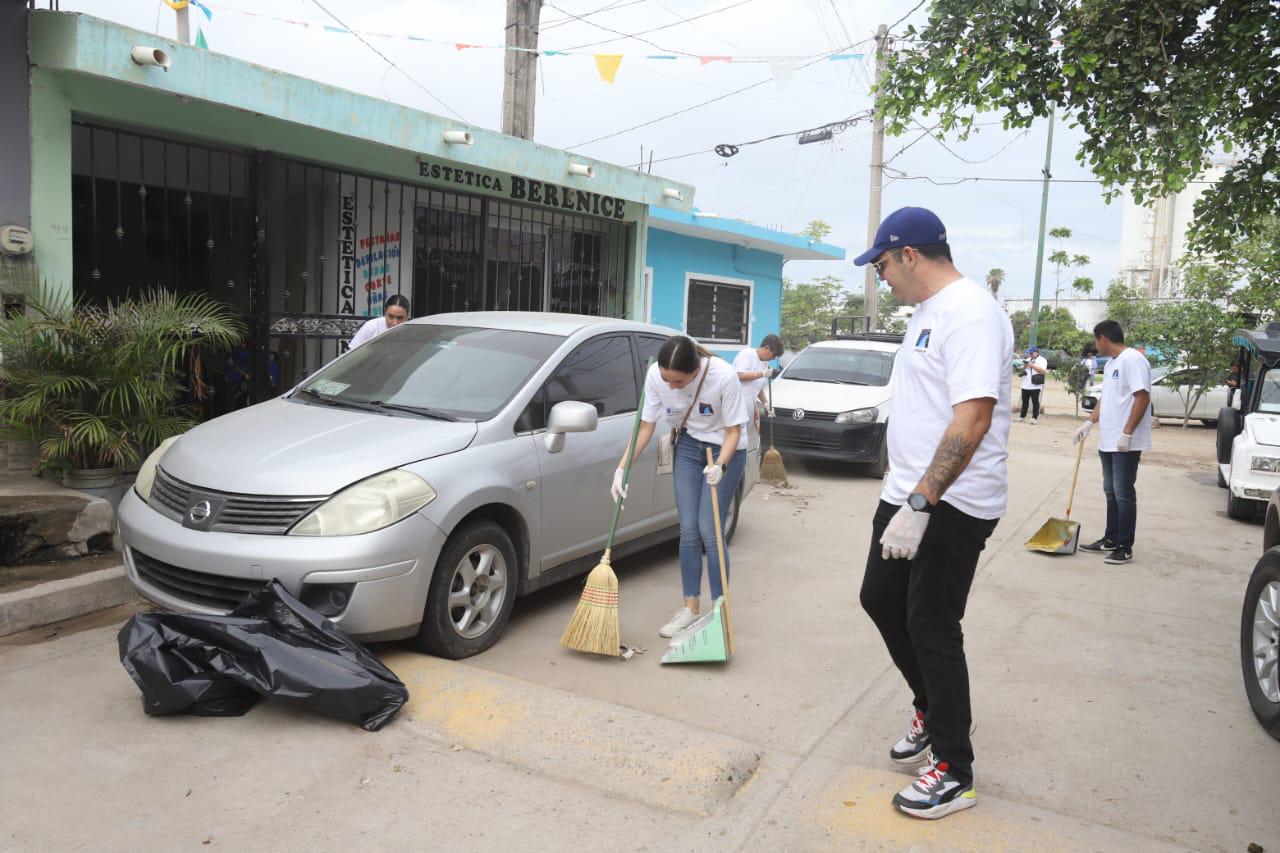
<point x="1119" y="473"/>
<point x="693" y="503"/>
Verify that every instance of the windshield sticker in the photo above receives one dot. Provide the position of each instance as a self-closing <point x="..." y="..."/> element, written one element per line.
<point x="328" y="386"/>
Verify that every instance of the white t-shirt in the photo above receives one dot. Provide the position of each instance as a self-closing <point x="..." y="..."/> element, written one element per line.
<point x="958" y="347"/>
<point x="748" y="361"/>
<point x="721" y="403"/>
<point x="369" y="331"/>
<point x="1126" y="374"/>
<point x="1038" y="361"/>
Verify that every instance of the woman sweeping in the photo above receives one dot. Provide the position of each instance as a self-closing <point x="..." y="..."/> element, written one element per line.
<point x="701" y="396"/>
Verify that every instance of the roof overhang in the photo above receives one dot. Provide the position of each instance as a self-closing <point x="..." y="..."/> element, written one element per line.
<point x="792" y="247"/>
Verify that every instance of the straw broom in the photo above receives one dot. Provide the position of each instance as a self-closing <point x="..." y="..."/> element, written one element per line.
<point x="594" y="625"/>
<point x="771" y="470"/>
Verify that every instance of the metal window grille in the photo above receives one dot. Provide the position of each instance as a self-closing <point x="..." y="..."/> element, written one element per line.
<point x="718" y="312"/>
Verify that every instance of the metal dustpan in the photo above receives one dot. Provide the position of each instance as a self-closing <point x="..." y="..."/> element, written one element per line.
<point x="705" y="641"/>
<point x="1060" y="535"/>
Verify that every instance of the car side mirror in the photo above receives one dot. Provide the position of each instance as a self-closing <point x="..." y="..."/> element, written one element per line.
<point x="1088" y="403"/>
<point x="566" y="417"/>
<point x="774" y="371"/>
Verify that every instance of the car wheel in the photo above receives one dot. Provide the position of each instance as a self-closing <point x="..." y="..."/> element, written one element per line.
<point x="880" y="467"/>
<point x="1222" y="481"/>
<point x="1260" y="641"/>
<point x="472" y="592"/>
<point x="1241" y="508"/>
<point x="1209" y="423"/>
<point x="1229" y="426"/>
<point x="735" y="509"/>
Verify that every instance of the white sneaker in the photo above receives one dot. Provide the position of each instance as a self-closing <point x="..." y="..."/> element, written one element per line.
<point x="1033" y="421"/>
<point x="683" y="619"/>
<point x="1022" y="420"/>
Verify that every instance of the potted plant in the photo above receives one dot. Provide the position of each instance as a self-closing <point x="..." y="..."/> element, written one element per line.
<point x="96" y="387"/>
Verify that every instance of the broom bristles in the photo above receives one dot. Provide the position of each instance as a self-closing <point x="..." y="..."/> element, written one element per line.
<point x="594" y="626"/>
<point x="772" y="470"/>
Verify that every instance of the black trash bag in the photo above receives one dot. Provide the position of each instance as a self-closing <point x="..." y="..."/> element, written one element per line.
<point x="271" y="645"/>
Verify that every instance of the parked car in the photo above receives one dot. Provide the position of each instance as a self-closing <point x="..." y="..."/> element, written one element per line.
<point x="1260" y="627"/>
<point x="416" y="485"/>
<point x="1249" y="425"/>
<point x="1167" y="390"/>
<point x="832" y="400"/>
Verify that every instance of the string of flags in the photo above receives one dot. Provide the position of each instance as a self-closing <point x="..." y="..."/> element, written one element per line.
<point x="607" y="64"/>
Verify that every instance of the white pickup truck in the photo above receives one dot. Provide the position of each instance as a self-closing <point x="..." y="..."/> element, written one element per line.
<point x="1249" y="425"/>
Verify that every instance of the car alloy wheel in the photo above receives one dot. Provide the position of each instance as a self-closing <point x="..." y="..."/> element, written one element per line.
<point x="1266" y="641"/>
<point x="477" y="591"/>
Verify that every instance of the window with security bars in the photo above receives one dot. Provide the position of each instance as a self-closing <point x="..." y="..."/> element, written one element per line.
<point x="718" y="312"/>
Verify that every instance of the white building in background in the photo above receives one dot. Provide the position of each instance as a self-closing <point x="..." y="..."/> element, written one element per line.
<point x="1153" y="238"/>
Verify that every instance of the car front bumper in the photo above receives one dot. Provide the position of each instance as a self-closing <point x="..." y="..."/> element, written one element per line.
<point x="821" y="439"/>
<point x="188" y="570"/>
<point x="1253" y="485"/>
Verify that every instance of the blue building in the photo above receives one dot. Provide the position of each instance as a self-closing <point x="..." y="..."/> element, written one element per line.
<point x="720" y="280"/>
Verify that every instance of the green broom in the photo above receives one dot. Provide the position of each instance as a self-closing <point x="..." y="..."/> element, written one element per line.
<point x="594" y="626"/>
<point x="771" y="469"/>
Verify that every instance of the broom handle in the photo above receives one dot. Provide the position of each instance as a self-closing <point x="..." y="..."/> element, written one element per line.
<point x="770" y="386"/>
<point x="1071" y="497"/>
<point x="724" y="577"/>
<point x="626" y="468"/>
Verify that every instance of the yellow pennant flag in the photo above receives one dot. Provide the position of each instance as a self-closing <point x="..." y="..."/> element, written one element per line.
<point x="607" y="64"/>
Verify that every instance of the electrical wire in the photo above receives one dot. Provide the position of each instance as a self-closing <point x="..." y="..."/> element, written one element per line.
<point x="637" y="36"/>
<point x="701" y="104"/>
<point x="908" y="15"/>
<point x="388" y="60"/>
<point x="835" y="127"/>
<point x="569" y="19"/>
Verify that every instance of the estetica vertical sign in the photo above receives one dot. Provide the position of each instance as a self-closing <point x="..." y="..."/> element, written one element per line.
<point x="347" y="255"/>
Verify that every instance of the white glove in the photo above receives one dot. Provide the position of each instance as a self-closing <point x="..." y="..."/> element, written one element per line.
<point x="1123" y="442"/>
<point x="713" y="473"/>
<point x="902" y="536"/>
<point x="1083" y="432"/>
<point x="617" y="490"/>
<point x="770" y="413"/>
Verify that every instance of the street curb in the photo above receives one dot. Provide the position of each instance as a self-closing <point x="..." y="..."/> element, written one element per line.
<point x="63" y="599"/>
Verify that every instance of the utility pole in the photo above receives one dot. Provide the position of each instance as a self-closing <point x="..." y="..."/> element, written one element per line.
<point x="870" y="283"/>
<point x="521" y="66"/>
<point x="1044" y="212"/>
<point x="184" y="24"/>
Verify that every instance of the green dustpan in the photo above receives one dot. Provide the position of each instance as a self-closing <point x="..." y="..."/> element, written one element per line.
<point x="705" y="641"/>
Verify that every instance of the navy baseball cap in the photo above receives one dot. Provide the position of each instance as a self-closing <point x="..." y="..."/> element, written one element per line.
<point x="906" y="226"/>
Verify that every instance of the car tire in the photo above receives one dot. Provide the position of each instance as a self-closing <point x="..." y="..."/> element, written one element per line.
<point x="1241" y="508"/>
<point x="1259" y="627"/>
<point x="1222" y="481"/>
<point x="445" y="630"/>
<point x="880" y="467"/>
<point x="1209" y="423"/>
<point x="1229" y="426"/>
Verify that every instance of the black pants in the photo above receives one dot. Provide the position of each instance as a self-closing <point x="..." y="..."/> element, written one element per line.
<point x="1032" y="397"/>
<point x="918" y="605"/>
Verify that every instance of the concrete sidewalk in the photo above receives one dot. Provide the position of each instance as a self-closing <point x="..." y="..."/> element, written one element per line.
<point x="1109" y="706"/>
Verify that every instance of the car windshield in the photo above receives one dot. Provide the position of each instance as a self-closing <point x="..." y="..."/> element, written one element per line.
<point x="841" y="365"/>
<point x="1269" y="399"/>
<point x="447" y="372"/>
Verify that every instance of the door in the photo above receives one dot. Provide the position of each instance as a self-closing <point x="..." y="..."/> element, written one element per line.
<point x="576" y="509"/>
<point x="664" y="489"/>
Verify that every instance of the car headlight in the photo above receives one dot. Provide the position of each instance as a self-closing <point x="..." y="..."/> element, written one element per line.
<point x="369" y="505"/>
<point x="147" y="473"/>
<point x="1269" y="464"/>
<point x="858" y="416"/>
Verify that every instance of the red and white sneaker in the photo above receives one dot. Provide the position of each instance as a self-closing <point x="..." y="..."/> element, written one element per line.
<point x="935" y="793"/>
<point x="914" y="748"/>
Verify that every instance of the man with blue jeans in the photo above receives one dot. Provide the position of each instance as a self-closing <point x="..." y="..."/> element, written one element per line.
<point x="1124" y="413"/>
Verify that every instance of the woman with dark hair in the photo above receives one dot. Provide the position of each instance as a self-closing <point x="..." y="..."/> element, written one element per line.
<point x="701" y="396"/>
<point x="394" y="312"/>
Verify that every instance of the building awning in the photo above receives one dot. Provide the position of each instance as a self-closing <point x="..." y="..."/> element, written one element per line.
<point x="792" y="247"/>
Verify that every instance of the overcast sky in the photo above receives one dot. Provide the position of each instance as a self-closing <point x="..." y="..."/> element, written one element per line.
<point x="779" y="183"/>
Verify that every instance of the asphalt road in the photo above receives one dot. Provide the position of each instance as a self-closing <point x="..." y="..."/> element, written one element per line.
<point x="1108" y="700"/>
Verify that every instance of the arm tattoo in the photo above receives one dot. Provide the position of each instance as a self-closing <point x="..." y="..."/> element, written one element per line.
<point x="949" y="460"/>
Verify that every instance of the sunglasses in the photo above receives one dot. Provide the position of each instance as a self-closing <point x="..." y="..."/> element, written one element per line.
<point x="880" y="265"/>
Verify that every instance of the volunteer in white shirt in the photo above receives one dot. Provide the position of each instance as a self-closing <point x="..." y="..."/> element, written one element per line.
<point x="700" y="397"/>
<point x="395" y="312"/>
<point x="946" y="489"/>
<point x="752" y="364"/>
<point x="1032" y="383"/>
<point x="1125" y="415"/>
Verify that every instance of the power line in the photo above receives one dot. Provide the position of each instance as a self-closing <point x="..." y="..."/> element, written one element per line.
<point x="568" y="19"/>
<point x="637" y="36"/>
<point x="705" y="103"/>
<point x="387" y="60"/>
<point x="834" y="127"/>
<point x="908" y="15"/>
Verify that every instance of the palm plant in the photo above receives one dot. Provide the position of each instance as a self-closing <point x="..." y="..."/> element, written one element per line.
<point x="97" y="387"/>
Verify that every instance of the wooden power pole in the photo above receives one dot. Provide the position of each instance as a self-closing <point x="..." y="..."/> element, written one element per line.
<point x="521" y="67"/>
<point x="870" y="283"/>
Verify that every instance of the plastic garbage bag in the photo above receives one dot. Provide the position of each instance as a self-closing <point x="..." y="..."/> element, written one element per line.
<point x="271" y="645"/>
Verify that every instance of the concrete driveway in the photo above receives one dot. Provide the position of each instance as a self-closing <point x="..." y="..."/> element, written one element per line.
<point x="1108" y="700"/>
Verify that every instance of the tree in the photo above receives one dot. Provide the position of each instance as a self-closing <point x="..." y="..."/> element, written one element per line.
<point x="995" y="278"/>
<point x="1058" y="329"/>
<point x="1061" y="260"/>
<point x="1158" y="88"/>
<point x="816" y="229"/>
<point x="807" y="309"/>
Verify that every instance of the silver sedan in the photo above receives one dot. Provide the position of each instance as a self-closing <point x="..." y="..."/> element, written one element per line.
<point x="416" y="485"/>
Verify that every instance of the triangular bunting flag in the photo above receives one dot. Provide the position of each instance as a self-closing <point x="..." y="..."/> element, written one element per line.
<point x="208" y="13"/>
<point x="782" y="71"/>
<point x="177" y="5"/>
<point x="705" y="60"/>
<point x="461" y="47"/>
<point x="607" y="64"/>
<point x="839" y="57"/>
<point x="200" y="42"/>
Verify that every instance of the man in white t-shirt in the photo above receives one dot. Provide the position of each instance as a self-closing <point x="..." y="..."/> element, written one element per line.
<point x="1125" y="415"/>
<point x="752" y="364"/>
<point x="946" y="489"/>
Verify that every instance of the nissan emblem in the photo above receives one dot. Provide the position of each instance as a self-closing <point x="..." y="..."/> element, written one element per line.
<point x="200" y="511"/>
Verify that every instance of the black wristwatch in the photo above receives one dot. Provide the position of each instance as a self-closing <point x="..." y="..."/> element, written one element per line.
<point x="919" y="503"/>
